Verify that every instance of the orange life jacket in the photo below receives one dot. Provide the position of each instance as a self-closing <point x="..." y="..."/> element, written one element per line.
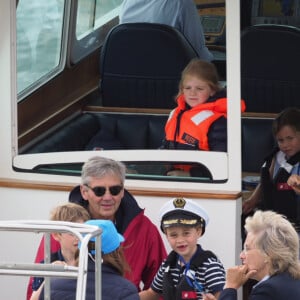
<point x="195" y="122"/>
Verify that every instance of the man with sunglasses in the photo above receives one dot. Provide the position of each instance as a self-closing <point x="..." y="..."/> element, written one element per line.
<point x="103" y="194"/>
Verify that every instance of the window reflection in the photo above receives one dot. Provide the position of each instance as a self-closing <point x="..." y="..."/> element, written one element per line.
<point x="93" y="14"/>
<point x="39" y="36"/>
<point x="154" y="170"/>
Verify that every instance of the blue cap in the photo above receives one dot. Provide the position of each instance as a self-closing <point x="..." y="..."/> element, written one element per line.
<point x="110" y="238"/>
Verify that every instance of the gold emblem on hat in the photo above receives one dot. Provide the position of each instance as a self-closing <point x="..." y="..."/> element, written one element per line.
<point x="179" y="203"/>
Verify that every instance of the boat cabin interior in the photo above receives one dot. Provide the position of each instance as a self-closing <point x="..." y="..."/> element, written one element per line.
<point x="81" y="73"/>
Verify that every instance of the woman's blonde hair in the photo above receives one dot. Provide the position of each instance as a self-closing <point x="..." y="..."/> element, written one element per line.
<point x="203" y="70"/>
<point x="277" y="238"/>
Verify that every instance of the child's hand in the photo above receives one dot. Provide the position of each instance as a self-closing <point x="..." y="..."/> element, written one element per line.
<point x="294" y="182"/>
<point x="181" y="173"/>
<point x="59" y="262"/>
<point x="209" y="296"/>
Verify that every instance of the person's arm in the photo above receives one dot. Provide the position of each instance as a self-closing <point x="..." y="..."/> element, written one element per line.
<point x="217" y="135"/>
<point x="156" y="253"/>
<point x="209" y="296"/>
<point x="256" y="197"/>
<point x="253" y="200"/>
<point x="180" y="173"/>
<point x="55" y="246"/>
<point x="192" y="29"/>
<point x="36" y="294"/>
<point x="149" y="295"/>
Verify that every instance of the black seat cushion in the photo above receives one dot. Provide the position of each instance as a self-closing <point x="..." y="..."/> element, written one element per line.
<point x="270" y="67"/>
<point x="141" y="65"/>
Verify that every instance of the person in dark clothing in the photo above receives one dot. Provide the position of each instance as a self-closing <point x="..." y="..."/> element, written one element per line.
<point x="281" y="167"/>
<point x="270" y="257"/>
<point x="103" y="194"/>
<point x="188" y="270"/>
<point x="113" y="284"/>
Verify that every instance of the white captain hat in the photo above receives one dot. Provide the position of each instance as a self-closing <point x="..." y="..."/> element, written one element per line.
<point x="183" y="212"/>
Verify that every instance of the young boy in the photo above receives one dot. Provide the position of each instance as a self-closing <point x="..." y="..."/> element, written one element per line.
<point x="113" y="268"/>
<point x="68" y="254"/>
<point x="278" y="189"/>
<point x="188" y="270"/>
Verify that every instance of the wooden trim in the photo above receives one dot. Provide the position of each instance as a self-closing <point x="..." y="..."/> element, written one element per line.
<point x="173" y="194"/>
<point x="259" y="115"/>
<point x="23" y="184"/>
<point x="91" y="108"/>
<point x="94" y="108"/>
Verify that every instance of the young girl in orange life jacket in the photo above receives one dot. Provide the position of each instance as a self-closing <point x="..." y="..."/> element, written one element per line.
<point x="199" y="120"/>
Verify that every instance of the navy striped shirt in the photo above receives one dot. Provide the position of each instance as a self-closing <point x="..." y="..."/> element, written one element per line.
<point x="211" y="275"/>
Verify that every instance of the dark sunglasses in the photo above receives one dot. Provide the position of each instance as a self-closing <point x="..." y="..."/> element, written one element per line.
<point x="99" y="191"/>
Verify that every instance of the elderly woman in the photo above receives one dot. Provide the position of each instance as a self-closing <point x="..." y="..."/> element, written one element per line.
<point x="270" y="256"/>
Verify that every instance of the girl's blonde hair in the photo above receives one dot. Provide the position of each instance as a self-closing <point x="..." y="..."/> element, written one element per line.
<point x="203" y="70"/>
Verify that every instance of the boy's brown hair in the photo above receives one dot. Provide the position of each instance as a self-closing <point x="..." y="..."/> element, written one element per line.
<point x="69" y="212"/>
<point x="288" y="117"/>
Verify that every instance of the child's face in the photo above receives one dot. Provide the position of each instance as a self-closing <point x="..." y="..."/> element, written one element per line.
<point x="183" y="240"/>
<point x="288" y="140"/>
<point x="196" y="91"/>
<point x="68" y="242"/>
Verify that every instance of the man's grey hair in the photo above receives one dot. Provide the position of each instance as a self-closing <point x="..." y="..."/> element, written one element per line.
<point x="99" y="167"/>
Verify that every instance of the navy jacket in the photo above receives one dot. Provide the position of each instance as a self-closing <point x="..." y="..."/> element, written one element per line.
<point x="114" y="286"/>
<point x="277" y="287"/>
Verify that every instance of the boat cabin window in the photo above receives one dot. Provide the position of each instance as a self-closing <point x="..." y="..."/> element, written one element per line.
<point x="94" y="14"/>
<point x="93" y="20"/>
<point x="39" y="43"/>
<point x="59" y="47"/>
<point x="55" y="32"/>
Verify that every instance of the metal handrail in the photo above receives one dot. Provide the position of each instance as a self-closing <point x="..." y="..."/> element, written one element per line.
<point x="83" y="232"/>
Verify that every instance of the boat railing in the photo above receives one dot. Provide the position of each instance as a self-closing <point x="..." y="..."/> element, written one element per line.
<point x="83" y="232"/>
